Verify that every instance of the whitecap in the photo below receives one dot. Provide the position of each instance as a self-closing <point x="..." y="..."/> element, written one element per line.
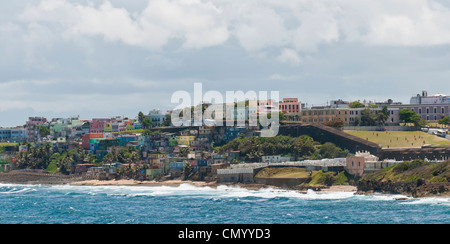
<point x="430" y="200"/>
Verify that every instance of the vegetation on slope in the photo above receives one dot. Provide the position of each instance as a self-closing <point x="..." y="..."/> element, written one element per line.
<point x="253" y="148"/>
<point x="316" y="178"/>
<point x="413" y="170"/>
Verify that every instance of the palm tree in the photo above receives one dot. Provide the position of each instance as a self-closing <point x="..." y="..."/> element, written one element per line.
<point x="64" y="162"/>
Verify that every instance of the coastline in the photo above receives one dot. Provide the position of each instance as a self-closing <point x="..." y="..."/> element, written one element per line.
<point x="426" y="190"/>
<point x="52" y="179"/>
<point x="339" y="188"/>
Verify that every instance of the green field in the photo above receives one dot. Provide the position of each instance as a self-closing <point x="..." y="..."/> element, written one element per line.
<point x="2" y="144"/>
<point x="283" y="172"/>
<point x="395" y="139"/>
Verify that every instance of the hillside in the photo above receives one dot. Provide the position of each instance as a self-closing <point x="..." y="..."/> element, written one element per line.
<point x="312" y="179"/>
<point x="416" y="178"/>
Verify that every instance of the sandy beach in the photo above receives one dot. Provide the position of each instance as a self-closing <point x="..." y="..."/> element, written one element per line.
<point x="125" y="182"/>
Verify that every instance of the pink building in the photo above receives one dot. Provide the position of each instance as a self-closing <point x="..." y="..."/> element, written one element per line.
<point x="356" y="165"/>
<point x="267" y="106"/>
<point x="32" y="123"/>
<point x="289" y="105"/>
<point x="98" y="125"/>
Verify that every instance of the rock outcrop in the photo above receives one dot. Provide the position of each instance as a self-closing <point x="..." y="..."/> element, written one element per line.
<point x="414" y="188"/>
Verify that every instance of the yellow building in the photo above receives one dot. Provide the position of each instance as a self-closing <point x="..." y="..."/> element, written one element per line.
<point x="185" y="140"/>
<point x="323" y="115"/>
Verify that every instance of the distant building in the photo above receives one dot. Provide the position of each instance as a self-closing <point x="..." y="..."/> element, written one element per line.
<point x="290" y="105"/>
<point x="86" y="140"/>
<point x="31" y="127"/>
<point x="364" y="162"/>
<point x="324" y="115"/>
<point x="157" y="117"/>
<point x="425" y="99"/>
<point x="339" y="104"/>
<point x="276" y="159"/>
<point x="16" y="134"/>
<point x="98" y="125"/>
<point x="393" y="119"/>
<point x="428" y="112"/>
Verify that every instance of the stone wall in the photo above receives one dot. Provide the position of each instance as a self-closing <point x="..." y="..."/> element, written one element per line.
<point x="246" y="178"/>
<point x="281" y="182"/>
<point x="407" y="154"/>
<point x="322" y="134"/>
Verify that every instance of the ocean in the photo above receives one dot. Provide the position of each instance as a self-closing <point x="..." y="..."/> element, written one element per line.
<point x="188" y="204"/>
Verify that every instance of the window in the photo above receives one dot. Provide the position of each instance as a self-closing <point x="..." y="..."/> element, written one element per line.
<point x="443" y="111"/>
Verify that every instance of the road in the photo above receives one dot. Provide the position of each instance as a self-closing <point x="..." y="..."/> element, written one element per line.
<point x="431" y="130"/>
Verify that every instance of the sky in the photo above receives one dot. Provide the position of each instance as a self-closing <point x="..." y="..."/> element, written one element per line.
<point x="97" y="59"/>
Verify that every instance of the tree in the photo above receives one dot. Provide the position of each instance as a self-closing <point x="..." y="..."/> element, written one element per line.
<point x="357" y="121"/>
<point x="335" y="123"/>
<point x="188" y="171"/>
<point x="43" y="131"/>
<point x="368" y="117"/>
<point x="382" y="116"/>
<point x="141" y="117"/>
<point x="281" y="116"/>
<point x="184" y="151"/>
<point x="147" y="123"/>
<point x="418" y="121"/>
<point x="167" y="121"/>
<point x="445" y="121"/>
<point x="330" y="150"/>
<point x="356" y="104"/>
<point x="35" y="157"/>
<point x="407" y="115"/>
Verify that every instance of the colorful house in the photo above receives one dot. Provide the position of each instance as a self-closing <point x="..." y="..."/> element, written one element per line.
<point x="86" y="140"/>
<point x="185" y="140"/>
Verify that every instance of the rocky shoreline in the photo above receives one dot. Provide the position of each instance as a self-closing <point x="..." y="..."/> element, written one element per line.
<point x="38" y="179"/>
<point x="416" y="188"/>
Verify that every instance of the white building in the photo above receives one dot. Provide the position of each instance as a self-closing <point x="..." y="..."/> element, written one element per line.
<point x="425" y="99"/>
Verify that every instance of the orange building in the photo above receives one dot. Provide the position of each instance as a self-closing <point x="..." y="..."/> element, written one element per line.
<point x="86" y="140"/>
<point x="324" y="115"/>
<point x="289" y="105"/>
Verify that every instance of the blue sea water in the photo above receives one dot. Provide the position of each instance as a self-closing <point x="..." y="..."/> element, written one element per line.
<point x="188" y="204"/>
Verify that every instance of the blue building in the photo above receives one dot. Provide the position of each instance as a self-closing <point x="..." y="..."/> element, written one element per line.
<point x="233" y="132"/>
<point x="16" y="134"/>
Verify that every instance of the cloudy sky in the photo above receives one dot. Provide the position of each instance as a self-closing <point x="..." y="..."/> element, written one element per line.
<point x="104" y="58"/>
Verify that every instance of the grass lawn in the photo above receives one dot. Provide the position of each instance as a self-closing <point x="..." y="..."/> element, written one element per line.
<point x="2" y="144"/>
<point x="394" y="139"/>
<point x="283" y="172"/>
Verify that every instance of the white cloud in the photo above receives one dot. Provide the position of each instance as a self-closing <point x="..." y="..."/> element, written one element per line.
<point x="194" y="22"/>
<point x="259" y="27"/>
<point x="289" y="56"/>
<point x="301" y="24"/>
<point x="283" y="77"/>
